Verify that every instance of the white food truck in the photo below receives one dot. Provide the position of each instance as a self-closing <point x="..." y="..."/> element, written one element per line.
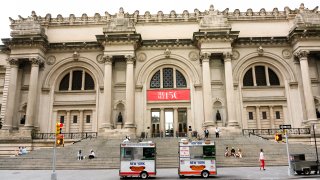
<point x="137" y="159"/>
<point x="197" y="158"/>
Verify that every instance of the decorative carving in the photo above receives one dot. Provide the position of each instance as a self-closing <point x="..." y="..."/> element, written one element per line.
<point x="120" y="23"/>
<point x="227" y="56"/>
<point x="249" y="12"/>
<point x="260" y="50"/>
<point x="160" y="16"/>
<point x="235" y="54"/>
<point x="167" y="53"/>
<point x="185" y="15"/>
<point x="136" y="16"/>
<point x="141" y="57"/>
<point x="84" y="17"/>
<point x="130" y="59"/>
<point x="173" y="14"/>
<point x="275" y="12"/>
<point x="262" y="12"/>
<point x="48" y="17"/>
<point x="194" y="56"/>
<point x="51" y="60"/>
<point x="302" y="54"/>
<point x="236" y="12"/>
<point x="100" y="59"/>
<point x="36" y="61"/>
<point x="213" y="20"/>
<point x="107" y="59"/>
<point x="75" y="56"/>
<point x="147" y="15"/>
<point x="205" y="55"/>
<point x="13" y="61"/>
<point x="59" y="18"/>
<point x="72" y="18"/>
<point x="286" y="53"/>
<point x="97" y="17"/>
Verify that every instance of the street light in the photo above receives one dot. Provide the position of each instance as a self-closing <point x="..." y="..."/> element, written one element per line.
<point x="315" y="143"/>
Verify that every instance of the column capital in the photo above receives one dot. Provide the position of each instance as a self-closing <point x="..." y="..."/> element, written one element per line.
<point x="13" y="61"/>
<point x="130" y="59"/>
<point x="302" y="54"/>
<point x="36" y="61"/>
<point x="107" y="59"/>
<point x="227" y="56"/>
<point x="205" y="56"/>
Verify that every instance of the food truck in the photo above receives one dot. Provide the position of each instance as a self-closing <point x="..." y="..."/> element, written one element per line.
<point x="137" y="159"/>
<point x="197" y="158"/>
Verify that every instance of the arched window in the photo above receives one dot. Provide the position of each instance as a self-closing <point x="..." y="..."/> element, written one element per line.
<point x="81" y="80"/>
<point x="260" y="76"/>
<point x="170" y="78"/>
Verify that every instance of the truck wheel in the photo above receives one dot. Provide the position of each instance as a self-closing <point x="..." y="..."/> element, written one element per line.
<point x="299" y="172"/>
<point x="205" y="174"/>
<point x="306" y="171"/>
<point x="144" y="175"/>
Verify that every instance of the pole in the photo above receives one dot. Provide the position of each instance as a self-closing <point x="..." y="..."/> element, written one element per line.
<point x="54" y="174"/>
<point x="290" y="170"/>
<point x="315" y="143"/>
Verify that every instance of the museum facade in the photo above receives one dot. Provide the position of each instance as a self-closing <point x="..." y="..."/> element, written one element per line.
<point x="162" y="74"/>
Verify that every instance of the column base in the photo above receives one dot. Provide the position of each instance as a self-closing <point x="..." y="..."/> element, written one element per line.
<point x="119" y="125"/>
<point x="312" y="121"/>
<point x="7" y="127"/>
<point x="106" y="126"/>
<point x="27" y="127"/>
<point x="129" y="126"/>
<point x="233" y="124"/>
<point x="208" y="124"/>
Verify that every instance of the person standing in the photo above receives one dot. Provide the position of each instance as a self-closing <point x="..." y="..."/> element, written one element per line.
<point x="261" y="158"/>
<point x="217" y="132"/>
<point x="206" y="133"/>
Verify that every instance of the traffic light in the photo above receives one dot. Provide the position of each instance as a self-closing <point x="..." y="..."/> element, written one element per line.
<point x="59" y="127"/>
<point x="278" y="137"/>
<point x="60" y="139"/>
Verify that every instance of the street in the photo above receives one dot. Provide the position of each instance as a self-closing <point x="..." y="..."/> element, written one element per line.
<point x="275" y="172"/>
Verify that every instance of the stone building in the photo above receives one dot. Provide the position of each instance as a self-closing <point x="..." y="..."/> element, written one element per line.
<point x="165" y="74"/>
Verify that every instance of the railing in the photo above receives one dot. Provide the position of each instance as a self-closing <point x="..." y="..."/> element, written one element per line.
<point x="296" y="131"/>
<point x="178" y="134"/>
<point x="79" y="135"/>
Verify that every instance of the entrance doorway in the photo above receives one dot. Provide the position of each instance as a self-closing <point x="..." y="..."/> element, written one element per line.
<point x="182" y="123"/>
<point x="155" y="120"/>
<point x="168" y="115"/>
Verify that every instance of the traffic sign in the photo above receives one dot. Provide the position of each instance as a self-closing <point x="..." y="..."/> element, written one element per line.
<point x="285" y="126"/>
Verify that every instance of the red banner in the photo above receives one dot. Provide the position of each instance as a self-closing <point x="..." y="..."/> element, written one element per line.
<point x="168" y="95"/>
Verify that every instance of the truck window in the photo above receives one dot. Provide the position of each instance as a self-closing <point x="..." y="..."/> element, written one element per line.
<point x="196" y="152"/>
<point x="148" y="153"/>
<point x="127" y="153"/>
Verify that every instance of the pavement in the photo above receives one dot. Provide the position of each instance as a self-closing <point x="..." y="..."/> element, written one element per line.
<point x="274" y="172"/>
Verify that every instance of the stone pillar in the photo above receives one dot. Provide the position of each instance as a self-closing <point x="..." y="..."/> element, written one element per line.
<point x="107" y="86"/>
<point x="8" y="118"/>
<point x="229" y="90"/>
<point x="129" y="121"/>
<point x="306" y="82"/>
<point x="68" y="119"/>
<point x="162" y="123"/>
<point x="258" y="117"/>
<point x="206" y="90"/>
<point x="33" y="93"/>
<point x="81" y="121"/>
<point x="175" y="122"/>
<point x="272" y="120"/>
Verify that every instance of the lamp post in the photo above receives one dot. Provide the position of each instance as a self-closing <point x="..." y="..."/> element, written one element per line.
<point x="315" y="143"/>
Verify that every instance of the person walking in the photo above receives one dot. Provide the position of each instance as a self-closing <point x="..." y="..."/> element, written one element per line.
<point x="261" y="158"/>
<point x="217" y="132"/>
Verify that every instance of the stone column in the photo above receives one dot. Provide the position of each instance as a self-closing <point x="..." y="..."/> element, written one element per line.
<point x="258" y="117"/>
<point x="129" y="121"/>
<point x="8" y="118"/>
<point x="68" y="119"/>
<point x="107" y="86"/>
<point x="175" y="122"/>
<point x="162" y="123"/>
<point x="306" y="82"/>
<point x="81" y="121"/>
<point x="272" y="120"/>
<point x="206" y="90"/>
<point x="229" y="90"/>
<point x="33" y="92"/>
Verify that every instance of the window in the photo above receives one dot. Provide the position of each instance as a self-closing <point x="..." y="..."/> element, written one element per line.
<point x="260" y="73"/>
<point x="75" y="119"/>
<point x="168" y="78"/>
<point x="148" y="153"/>
<point x="88" y="118"/>
<point x="277" y="114"/>
<point x="264" y="115"/>
<point x="250" y="115"/>
<point x="77" y="81"/>
<point x="61" y="119"/>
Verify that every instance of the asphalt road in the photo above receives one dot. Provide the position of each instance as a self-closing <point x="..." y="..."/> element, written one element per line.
<point x="275" y="172"/>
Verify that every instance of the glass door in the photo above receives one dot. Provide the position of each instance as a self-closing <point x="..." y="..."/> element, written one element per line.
<point x="155" y="123"/>
<point x="182" y="121"/>
<point x="168" y="115"/>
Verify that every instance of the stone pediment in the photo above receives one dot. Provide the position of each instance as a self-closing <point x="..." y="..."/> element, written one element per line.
<point x="120" y="24"/>
<point x="213" y="20"/>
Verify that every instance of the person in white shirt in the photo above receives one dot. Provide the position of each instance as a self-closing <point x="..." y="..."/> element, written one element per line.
<point x="261" y="158"/>
<point x="217" y="132"/>
<point x="92" y="154"/>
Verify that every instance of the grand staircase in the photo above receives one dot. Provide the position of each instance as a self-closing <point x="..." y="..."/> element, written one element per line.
<point x="107" y="152"/>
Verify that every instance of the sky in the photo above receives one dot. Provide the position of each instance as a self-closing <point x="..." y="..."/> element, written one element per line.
<point x="13" y="8"/>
